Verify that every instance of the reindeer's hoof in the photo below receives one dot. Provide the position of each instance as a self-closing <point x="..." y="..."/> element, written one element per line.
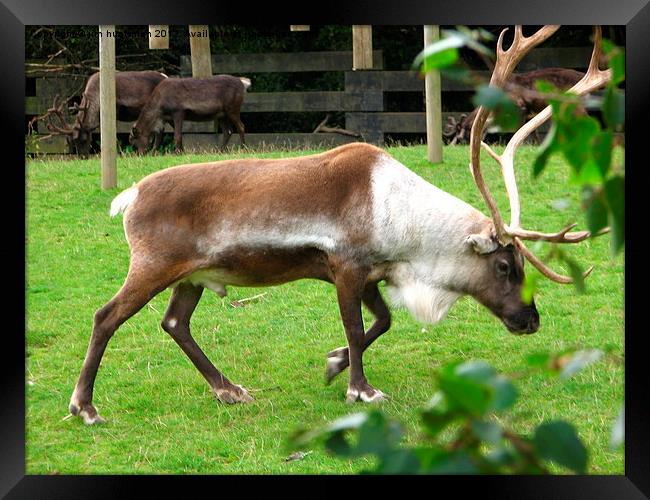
<point x="87" y="413"/>
<point x="366" y="394"/>
<point x="233" y="394"/>
<point x="337" y="361"/>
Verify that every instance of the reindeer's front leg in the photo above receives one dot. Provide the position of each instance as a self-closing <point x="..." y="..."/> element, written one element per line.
<point x="338" y="359"/>
<point x="350" y="282"/>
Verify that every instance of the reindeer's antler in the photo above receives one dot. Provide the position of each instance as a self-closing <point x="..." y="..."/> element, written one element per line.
<point x="57" y="110"/>
<point x="506" y="62"/>
<point x="75" y="108"/>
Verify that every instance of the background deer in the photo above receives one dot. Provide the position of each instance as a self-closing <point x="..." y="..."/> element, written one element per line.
<point x="352" y="216"/>
<point x="132" y="90"/>
<point x="218" y="98"/>
<point x="529" y="103"/>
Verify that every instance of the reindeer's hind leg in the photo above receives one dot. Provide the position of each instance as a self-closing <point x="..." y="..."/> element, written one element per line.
<point x="236" y="121"/>
<point x="226" y="131"/>
<point x="138" y="289"/>
<point x="176" y="322"/>
<point x="338" y="359"/>
<point x="178" y="118"/>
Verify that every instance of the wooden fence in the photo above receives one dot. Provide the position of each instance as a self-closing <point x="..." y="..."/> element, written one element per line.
<point x="363" y="99"/>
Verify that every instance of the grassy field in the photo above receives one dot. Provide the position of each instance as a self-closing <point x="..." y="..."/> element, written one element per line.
<point x="161" y="415"/>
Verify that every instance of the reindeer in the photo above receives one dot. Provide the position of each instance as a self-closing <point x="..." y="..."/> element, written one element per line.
<point x="520" y="86"/>
<point x="132" y="90"/>
<point x="218" y="98"/>
<point x="352" y="216"/>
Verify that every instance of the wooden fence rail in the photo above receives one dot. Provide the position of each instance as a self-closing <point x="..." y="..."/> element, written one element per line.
<point x="363" y="99"/>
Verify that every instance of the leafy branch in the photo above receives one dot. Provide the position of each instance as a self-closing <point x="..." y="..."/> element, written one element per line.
<point x="587" y="145"/>
<point x="461" y="431"/>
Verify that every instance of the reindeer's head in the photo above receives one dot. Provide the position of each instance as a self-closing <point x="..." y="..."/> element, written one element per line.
<point x="77" y="137"/>
<point x="80" y="140"/>
<point x="498" y="282"/>
<point x="138" y="139"/>
<point x="499" y="288"/>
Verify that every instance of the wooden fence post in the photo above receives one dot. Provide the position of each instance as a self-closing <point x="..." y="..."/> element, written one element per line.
<point x="107" y="108"/>
<point x="361" y="46"/>
<point x="433" y="102"/>
<point x="158" y="36"/>
<point x="200" y="51"/>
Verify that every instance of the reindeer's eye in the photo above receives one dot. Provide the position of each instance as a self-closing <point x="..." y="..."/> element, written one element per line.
<point x="503" y="268"/>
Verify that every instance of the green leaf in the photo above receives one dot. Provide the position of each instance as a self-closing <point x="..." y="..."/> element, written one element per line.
<point x="589" y="174"/>
<point x="469" y="38"/>
<point x="529" y="287"/>
<point x="377" y="435"/>
<point x="487" y="431"/>
<point x="437" y="415"/>
<point x="546" y="87"/>
<point x="438" y="55"/>
<point x="505" y="393"/>
<point x="439" y="60"/>
<point x="352" y="421"/>
<point x="500" y="457"/>
<point x="505" y="112"/>
<point x="547" y="148"/>
<point x="616" y="57"/>
<point x="613" y="107"/>
<point x="558" y="442"/>
<point x="618" y="431"/>
<point x="579" y="360"/>
<point x="455" y="73"/>
<point x="443" y="53"/>
<point x="476" y="387"/>
<point x="399" y="462"/>
<point x="576" y="272"/>
<point x="597" y="213"/>
<point x="470" y="396"/>
<point x="459" y="462"/>
<point x="578" y="134"/>
<point x="602" y="151"/>
<point x="338" y="445"/>
<point x="480" y="371"/>
<point x="615" y="195"/>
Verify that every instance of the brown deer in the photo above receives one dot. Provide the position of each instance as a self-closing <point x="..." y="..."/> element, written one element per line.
<point x="132" y="90"/>
<point x="217" y="98"/>
<point x="352" y="216"/>
<point x="519" y="87"/>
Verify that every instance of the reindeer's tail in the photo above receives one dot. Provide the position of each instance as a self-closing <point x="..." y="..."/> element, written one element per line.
<point x="246" y="82"/>
<point x="123" y="200"/>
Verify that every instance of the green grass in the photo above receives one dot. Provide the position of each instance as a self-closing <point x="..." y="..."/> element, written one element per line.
<point x="161" y="415"/>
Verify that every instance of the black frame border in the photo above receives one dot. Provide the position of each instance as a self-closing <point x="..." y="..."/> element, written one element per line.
<point x="634" y="14"/>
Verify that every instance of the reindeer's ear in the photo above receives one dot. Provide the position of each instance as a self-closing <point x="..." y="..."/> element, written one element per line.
<point x="482" y="243"/>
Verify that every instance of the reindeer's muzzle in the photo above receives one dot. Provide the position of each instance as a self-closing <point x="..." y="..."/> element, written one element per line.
<point x="526" y="320"/>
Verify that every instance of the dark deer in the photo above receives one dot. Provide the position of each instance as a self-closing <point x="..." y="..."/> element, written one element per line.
<point x="218" y="98"/>
<point x="519" y="87"/>
<point x="352" y="216"/>
<point x="132" y="90"/>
